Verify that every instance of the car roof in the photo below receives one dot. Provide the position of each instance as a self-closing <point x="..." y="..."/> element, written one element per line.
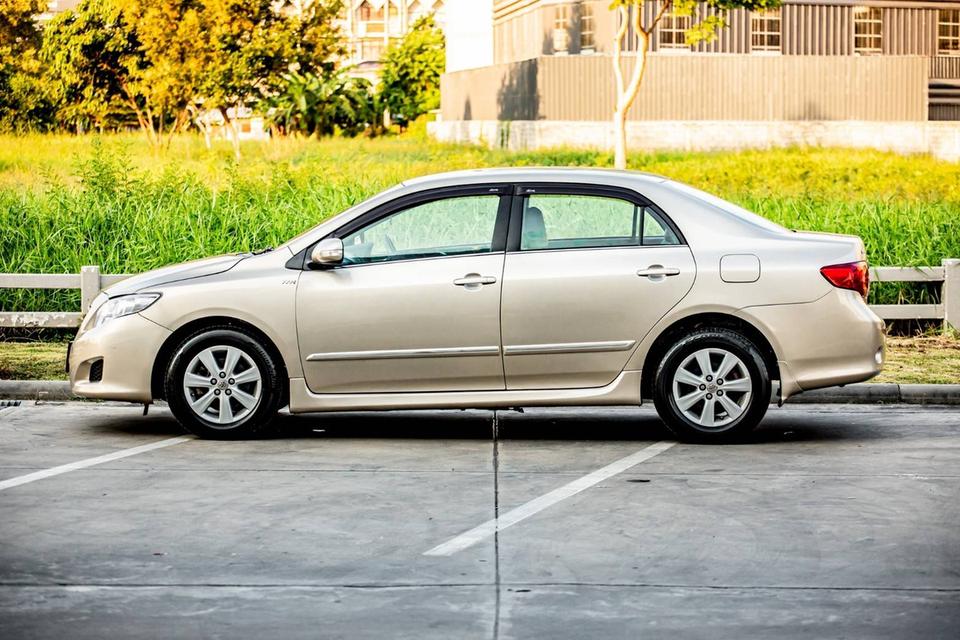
<point x="532" y="174"/>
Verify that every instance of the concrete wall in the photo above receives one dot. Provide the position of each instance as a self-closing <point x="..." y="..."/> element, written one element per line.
<point x="941" y="139"/>
<point x="715" y="87"/>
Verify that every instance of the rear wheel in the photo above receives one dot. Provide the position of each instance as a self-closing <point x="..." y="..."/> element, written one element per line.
<point x="222" y="383"/>
<point x="712" y="386"/>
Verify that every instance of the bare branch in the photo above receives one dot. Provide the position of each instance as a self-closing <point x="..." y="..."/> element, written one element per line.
<point x="664" y="6"/>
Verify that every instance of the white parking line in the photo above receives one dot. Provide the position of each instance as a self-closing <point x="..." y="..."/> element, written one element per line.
<point x="512" y="517"/>
<point x="90" y="462"/>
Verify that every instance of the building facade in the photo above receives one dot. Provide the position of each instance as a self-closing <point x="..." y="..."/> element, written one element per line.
<point x="859" y="73"/>
<point x="369" y="26"/>
<point x="525" y="29"/>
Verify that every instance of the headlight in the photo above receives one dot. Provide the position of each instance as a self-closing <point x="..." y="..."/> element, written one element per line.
<point x="120" y="306"/>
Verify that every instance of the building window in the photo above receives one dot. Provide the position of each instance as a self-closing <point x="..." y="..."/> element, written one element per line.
<point x="765" y="30"/>
<point x="587" y="40"/>
<point x="561" y="24"/>
<point x="867" y="29"/>
<point x="673" y="31"/>
<point x="948" y="32"/>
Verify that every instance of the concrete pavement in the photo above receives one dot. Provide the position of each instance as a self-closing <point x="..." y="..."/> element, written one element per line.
<point x="835" y="521"/>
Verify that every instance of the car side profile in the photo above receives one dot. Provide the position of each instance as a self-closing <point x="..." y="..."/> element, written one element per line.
<point x="496" y="288"/>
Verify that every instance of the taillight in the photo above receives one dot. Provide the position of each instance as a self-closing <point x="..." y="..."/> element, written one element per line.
<point x="851" y="275"/>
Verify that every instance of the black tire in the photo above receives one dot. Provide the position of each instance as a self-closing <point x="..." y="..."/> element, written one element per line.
<point x="753" y="406"/>
<point x="271" y="385"/>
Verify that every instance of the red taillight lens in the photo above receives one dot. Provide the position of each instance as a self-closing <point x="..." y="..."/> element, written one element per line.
<point x="852" y="275"/>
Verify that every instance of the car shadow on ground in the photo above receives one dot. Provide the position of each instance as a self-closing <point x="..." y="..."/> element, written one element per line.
<point x="574" y="424"/>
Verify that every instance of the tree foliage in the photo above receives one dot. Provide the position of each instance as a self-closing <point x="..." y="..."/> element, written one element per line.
<point x="157" y="63"/>
<point x="320" y="105"/>
<point x="410" y="78"/>
<point x="23" y="102"/>
<point x="90" y="55"/>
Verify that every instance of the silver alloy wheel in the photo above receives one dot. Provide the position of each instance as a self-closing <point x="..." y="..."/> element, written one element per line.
<point x="222" y="384"/>
<point x="712" y="387"/>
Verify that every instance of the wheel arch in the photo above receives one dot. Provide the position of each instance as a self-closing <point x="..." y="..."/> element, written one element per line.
<point x="713" y="319"/>
<point x="175" y="338"/>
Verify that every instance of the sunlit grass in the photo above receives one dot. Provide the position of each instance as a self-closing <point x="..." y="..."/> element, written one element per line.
<point x="67" y="201"/>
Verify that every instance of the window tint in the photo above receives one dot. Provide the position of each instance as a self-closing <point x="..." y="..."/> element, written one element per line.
<point x="656" y="231"/>
<point x="451" y="226"/>
<point x="574" y="221"/>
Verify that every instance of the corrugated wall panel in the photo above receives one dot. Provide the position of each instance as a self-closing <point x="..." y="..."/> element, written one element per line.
<point x="945" y="67"/>
<point x="717" y="87"/>
<point x="822" y="30"/>
<point x="909" y="31"/>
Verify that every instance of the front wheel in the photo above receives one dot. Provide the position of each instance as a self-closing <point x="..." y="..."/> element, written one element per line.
<point x="712" y="386"/>
<point x="222" y="383"/>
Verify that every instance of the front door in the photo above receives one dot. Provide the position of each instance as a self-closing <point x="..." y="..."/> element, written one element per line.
<point x="415" y="306"/>
<point x="587" y="277"/>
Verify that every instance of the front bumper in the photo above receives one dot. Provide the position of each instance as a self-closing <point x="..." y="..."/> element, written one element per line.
<point x="832" y="341"/>
<point x="127" y="348"/>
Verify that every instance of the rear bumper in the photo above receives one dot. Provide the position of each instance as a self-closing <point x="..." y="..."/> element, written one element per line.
<point x="832" y="341"/>
<point x="127" y="348"/>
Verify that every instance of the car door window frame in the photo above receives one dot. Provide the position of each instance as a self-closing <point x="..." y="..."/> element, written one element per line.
<point x="522" y="190"/>
<point x="408" y="201"/>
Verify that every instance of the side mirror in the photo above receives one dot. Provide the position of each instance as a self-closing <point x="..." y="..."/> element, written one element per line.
<point x="327" y="253"/>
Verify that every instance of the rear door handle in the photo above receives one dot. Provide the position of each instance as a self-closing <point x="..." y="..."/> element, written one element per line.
<point x="474" y="280"/>
<point x="658" y="271"/>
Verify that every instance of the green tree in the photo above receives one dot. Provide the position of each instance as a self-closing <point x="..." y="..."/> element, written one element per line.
<point x="320" y="105"/>
<point x="167" y="78"/>
<point x="252" y="43"/>
<point x="90" y="54"/>
<point x="23" y="102"/>
<point x="630" y="14"/>
<point x="410" y="78"/>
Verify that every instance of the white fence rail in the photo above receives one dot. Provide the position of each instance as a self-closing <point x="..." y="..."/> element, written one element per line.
<point x="90" y="282"/>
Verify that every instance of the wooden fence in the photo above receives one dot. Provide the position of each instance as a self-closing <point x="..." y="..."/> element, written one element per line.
<point x="90" y="282"/>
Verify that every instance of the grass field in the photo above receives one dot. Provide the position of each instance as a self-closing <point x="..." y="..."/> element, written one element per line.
<point x="67" y="201"/>
<point x="932" y="359"/>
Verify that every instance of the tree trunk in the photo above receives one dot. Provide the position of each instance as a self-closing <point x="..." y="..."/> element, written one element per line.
<point x="234" y="137"/>
<point x="620" y="139"/>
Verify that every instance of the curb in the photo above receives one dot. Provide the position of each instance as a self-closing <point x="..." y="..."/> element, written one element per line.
<point x="35" y="390"/>
<point x="881" y="393"/>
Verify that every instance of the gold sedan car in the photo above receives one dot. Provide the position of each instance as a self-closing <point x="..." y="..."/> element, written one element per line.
<point x="496" y="288"/>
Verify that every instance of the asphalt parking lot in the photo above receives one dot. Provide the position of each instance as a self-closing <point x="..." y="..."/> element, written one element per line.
<point x="835" y="521"/>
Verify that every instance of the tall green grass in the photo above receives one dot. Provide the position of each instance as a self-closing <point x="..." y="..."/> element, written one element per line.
<point x="69" y="201"/>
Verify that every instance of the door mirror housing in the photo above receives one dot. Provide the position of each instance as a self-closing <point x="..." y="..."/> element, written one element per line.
<point x="327" y="253"/>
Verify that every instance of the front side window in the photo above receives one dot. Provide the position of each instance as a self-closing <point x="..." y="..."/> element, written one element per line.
<point x="552" y="221"/>
<point x="765" y="30"/>
<point x="948" y="32"/>
<point x="447" y="227"/>
<point x="673" y="31"/>
<point x="867" y="29"/>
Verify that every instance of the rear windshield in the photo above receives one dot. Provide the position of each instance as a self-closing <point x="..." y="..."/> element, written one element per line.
<point x="728" y="207"/>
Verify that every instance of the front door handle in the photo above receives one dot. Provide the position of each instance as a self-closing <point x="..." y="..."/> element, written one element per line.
<point x="658" y="271"/>
<point x="474" y="280"/>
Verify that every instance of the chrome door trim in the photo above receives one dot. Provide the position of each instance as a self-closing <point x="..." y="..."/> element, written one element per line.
<point x="392" y="354"/>
<point x="568" y="347"/>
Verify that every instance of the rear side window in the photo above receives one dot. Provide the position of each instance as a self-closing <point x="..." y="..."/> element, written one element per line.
<point x="564" y="221"/>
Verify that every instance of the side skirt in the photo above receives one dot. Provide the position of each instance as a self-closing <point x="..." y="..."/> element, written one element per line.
<point x="624" y="390"/>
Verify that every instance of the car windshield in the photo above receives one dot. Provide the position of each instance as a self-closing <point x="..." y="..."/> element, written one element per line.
<point x="728" y="207"/>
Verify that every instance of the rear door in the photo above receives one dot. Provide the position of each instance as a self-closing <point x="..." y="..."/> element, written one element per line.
<point x="588" y="272"/>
